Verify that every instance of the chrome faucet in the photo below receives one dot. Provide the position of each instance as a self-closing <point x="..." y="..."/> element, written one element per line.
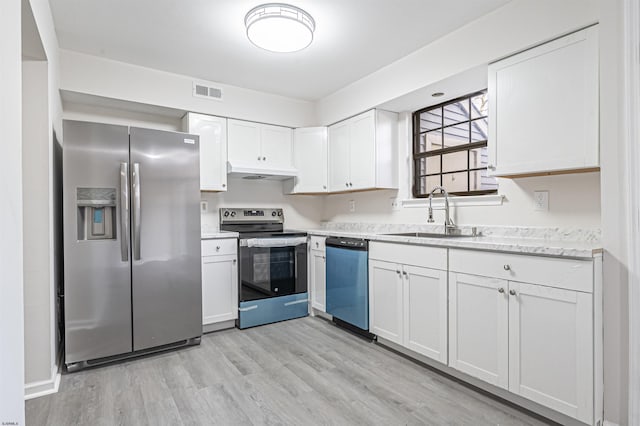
<point x="448" y="222"/>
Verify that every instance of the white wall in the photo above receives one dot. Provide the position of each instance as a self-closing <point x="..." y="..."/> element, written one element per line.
<point x="42" y="263"/>
<point x="123" y="117"/>
<point x="111" y="79"/>
<point x="509" y="29"/>
<point x="300" y="211"/>
<point x="614" y="212"/>
<point x="11" y="307"/>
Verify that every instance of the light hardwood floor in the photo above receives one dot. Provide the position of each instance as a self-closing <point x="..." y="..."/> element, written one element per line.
<point x="299" y="372"/>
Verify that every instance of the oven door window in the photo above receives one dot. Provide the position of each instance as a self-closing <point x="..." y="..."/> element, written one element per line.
<point x="270" y="272"/>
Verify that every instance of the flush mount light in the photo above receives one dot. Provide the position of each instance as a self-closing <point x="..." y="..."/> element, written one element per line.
<point x="279" y="27"/>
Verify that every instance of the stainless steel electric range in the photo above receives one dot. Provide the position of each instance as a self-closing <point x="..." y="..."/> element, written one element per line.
<point x="272" y="269"/>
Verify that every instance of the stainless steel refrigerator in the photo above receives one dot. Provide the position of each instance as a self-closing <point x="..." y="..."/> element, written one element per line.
<point x="132" y="279"/>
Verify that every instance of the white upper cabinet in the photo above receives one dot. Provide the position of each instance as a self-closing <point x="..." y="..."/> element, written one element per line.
<point x="213" y="149"/>
<point x="257" y="146"/>
<point x="310" y="159"/>
<point x="543" y="108"/>
<point x="363" y="152"/>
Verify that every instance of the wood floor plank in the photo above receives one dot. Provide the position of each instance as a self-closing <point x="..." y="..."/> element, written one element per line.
<point x="300" y="372"/>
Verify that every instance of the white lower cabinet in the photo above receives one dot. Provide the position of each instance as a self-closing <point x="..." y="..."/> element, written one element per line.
<point x="219" y="281"/>
<point x="535" y="340"/>
<point x="317" y="273"/>
<point x="408" y="297"/>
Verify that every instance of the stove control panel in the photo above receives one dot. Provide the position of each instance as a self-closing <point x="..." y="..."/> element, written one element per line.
<point x="251" y="215"/>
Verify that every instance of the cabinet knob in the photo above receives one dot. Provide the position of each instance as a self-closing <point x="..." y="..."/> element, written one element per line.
<point x="224" y="185"/>
<point x="501" y="290"/>
<point x="398" y="272"/>
<point x="350" y="184"/>
<point x="259" y="158"/>
<point x="264" y="158"/>
<point x="234" y="261"/>
<point x="324" y="186"/>
<point x="507" y="267"/>
<point x="217" y="248"/>
<point x="491" y="167"/>
<point x="404" y="273"/>
<point x="317" y="244"/>
<point x="346" y="184"/>
<point x="512" y="292"/>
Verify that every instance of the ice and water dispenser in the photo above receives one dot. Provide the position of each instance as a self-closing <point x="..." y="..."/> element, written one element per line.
<point x="96" y="213"/>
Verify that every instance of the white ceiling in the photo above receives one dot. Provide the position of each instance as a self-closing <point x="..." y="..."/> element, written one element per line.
<point x="206" y="38"/>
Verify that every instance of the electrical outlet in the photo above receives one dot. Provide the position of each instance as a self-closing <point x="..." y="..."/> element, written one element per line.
<point x="395" y="203"/>
<point x="352" y="206"/>
<point x="204" y="206"/>
<point x="541" y="201"/>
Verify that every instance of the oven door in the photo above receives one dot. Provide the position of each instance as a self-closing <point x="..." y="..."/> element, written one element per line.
<point x="271" y="267"/>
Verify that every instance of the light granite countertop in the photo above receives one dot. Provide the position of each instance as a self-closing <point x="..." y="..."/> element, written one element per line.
<point x="556" y="242"/>
<point x="216" y="235"/>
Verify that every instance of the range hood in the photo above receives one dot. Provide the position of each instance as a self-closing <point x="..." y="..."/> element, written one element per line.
<point x="255" y="173"/>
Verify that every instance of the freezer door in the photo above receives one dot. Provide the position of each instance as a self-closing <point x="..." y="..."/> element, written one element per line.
<point x="165" y="233"/>
<point x="97" y="274"/>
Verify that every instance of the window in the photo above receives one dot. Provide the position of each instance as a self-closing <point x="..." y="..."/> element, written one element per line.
<point x="450" y="147"/>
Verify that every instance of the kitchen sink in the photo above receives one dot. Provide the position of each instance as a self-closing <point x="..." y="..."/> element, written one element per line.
<point x="426" y="235"/>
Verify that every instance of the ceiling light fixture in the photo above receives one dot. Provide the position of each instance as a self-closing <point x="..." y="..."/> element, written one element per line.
<point x="279" y="27"/>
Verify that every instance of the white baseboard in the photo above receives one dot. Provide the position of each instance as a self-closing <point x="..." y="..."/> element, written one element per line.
<point x="608" y="423"/>
<point x="44" y="387"/>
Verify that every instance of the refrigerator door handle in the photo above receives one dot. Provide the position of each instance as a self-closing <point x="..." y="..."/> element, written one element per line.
<point x="124" y="211"/>
<point x="136" y="211"/>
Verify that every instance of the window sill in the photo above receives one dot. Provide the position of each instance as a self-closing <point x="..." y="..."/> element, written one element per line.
<point x="473" y="200"/>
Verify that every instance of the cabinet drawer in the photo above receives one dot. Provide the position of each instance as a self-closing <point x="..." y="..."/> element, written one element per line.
<point x="553" y="272"/>
<point x="317" y="243"/>
<point x="406" y="254"/>
<point x="224" y="246"/>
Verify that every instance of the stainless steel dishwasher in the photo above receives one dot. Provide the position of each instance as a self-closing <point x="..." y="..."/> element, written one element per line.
<point x="348" y="283"/>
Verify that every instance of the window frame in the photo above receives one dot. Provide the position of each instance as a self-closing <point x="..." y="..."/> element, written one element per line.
<point x="468" y="147"/>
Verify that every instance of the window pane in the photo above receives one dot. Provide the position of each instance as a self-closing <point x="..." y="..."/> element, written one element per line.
<point x="479" y="130"/>
<point x="433" y="165"/>
<point x="454" y="161"/>
<point x="427" y="183"/>
<point x="456" y="135"/>
<point x="433" y="140"/>
<point x="478" y="157"/>
<point x="455" y="182"/>
<point x="456" y="112"/>
<point x="479" y="106"/>
<point x="479" y="181"/>
<point x="430" y="120"/>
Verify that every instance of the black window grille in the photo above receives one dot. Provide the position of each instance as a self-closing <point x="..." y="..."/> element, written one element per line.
<point x="450" y="147"/>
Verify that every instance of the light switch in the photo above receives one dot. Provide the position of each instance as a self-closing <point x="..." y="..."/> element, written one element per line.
<point x="204" y="206"/>
<point x="352" y="206"/>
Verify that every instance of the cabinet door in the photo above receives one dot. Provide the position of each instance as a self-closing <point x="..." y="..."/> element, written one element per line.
<point x="543" y="108"/>
<point x="310" y="159"/>
<point x="219" y="289"/>
<point x="478" y="331"/>
<point x="339" y="163"/>
<point x="213" y="150"/>
<point x="318" y="272"/>
<point x="276" y="147"/>
<point x="362" y="151"/>
<point x="385" y="300"/>
<point x="425" y="311"/>
<point x="244" y="143"/>
<point x="551" y="348"/>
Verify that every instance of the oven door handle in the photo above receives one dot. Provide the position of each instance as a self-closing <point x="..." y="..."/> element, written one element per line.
<point x="273" y="242"/>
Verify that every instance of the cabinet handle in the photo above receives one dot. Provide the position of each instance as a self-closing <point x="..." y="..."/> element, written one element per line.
<point x="398" y="272"/>
<point x="217" y="248"/>
<point x="317" y="244"/>
<point x="512" y="292"/>
<point x="404" y="273"/>
<point x="491" y="167"/>
<point x="507" y="267"/>
<point x="501" y="290"/>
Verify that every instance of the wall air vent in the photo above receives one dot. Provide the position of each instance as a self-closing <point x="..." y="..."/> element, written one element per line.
<point x="207" y="92"/>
